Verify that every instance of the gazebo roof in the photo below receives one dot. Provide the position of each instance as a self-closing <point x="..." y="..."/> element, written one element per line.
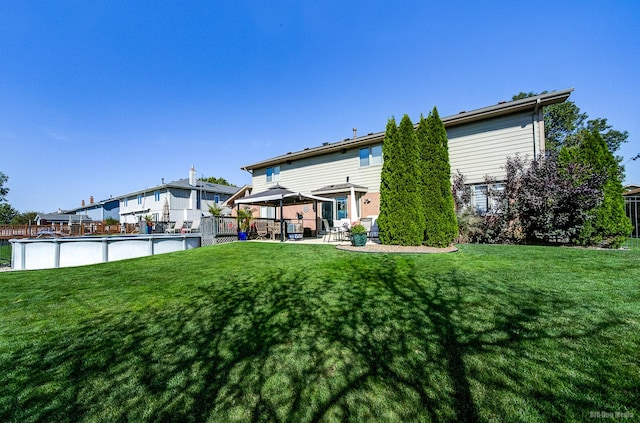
<point x="277" y="195"/>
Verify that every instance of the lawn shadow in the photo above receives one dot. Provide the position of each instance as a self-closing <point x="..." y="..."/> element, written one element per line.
<point x="382" y="340"/>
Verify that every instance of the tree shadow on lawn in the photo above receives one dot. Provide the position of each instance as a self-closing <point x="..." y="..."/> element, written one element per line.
<point x="392" y="342"/>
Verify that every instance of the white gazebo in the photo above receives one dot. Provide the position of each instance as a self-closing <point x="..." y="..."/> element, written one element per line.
<point x="278" y="196"/>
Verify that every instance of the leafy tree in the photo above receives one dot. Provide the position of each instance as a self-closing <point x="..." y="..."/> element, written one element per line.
<point x="564" y="122"/>
<point x="111" y="221"/>
<point x="609" y="225"/>
<point x="24" y="218"/>
<point x="219" y="181"/>
<point x="437" y="200"/>
<point x="7" y="213"/>
<point x="3" y="190"/>
<point x="401" y="220"/>
<point x="612" y="137"/>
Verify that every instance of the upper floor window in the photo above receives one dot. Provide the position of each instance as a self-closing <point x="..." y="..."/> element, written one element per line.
<point x="156" y="195"/>
<point x="125" y="202"/>
<point x="370" y="156"/>
<point x="139" y="198"/>
<point x="216" y="199"/>
<point x="273" y="174"/>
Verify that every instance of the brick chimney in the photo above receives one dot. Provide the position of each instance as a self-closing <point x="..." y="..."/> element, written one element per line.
<point x="82" y="203"/>
<point x="91" y="200"/>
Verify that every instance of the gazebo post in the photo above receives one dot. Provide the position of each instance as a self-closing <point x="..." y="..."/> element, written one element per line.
<point x="315" y="207"/>
<point x="281" y="223"/>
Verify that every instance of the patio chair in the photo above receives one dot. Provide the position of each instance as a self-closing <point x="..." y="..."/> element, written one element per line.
<point x="367" y="222"/>
<point x="330" y="232"/>
<point x="176" y="228"/>
<point x="195" y="226"/>
<point x="262" y="229"/>
<point x="274" y="229"/>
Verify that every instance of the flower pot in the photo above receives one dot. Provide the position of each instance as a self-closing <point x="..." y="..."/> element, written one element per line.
<point x="358" y="240"/>
<point x="242" y="236"/>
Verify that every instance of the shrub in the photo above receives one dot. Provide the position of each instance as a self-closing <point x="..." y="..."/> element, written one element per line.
<point x="542" y="202"/>
<point x="608" y="225"/>
<point x="358" y="229"/>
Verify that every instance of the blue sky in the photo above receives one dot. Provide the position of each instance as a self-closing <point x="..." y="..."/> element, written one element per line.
<point x="103" y="98"/>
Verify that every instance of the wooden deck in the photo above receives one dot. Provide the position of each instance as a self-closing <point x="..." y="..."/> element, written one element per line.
<point x="52" y="231"/>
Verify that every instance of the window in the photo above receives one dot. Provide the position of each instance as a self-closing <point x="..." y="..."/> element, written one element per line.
<point x="370" y="156"/>
<point x="273" y="174"/>
<point x="139" y="198"/>
<point x="125" y="202"/>
<point x="485" y="198"/>
<point x="480" y="199"/>
<point x="156" y="195"/>
<point x="341" y="208"/>
<point x="364" y="157"/>
<point x="268" y="212"/>
<point x="376" y="154"/>
<point x="216" y="199"/>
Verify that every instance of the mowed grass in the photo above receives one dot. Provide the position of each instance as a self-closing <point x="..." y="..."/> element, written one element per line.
<point x="5" y="253"/>
<point x="305" y="333"/>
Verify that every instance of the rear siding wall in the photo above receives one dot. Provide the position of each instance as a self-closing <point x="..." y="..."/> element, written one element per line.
<point x="476" y="149"/>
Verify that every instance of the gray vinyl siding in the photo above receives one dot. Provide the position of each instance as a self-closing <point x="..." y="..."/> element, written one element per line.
<point x="180" y="199"/>
<point x="306" y="175"/>
<point x="482" y="148"/>
<point x="477" y="149"/>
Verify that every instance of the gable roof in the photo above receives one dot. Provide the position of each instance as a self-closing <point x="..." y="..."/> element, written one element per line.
<point x="229" y="202"/>
<point x="500" y="109"/>
<point x="184" y="184"/>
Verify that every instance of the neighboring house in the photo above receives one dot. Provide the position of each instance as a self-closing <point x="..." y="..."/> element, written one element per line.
<point x="184" y="199"/>
<point x="479" y="143"/>
<point x="242" y="192"/>
<point x="61" y="218"/>
<point x="632" y="207"/>
<point x="99" y="211"/>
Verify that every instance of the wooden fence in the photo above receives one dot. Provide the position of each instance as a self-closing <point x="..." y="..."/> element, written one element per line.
<point x="60" y="230"/>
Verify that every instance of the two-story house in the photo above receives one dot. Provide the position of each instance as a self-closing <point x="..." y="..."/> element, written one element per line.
<point x="185" y="199"/>
<point x="349" y="170"/>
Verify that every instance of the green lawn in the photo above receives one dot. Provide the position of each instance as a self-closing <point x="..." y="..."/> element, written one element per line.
<point x="5" y="253"/>
<point x="304" y="333"/>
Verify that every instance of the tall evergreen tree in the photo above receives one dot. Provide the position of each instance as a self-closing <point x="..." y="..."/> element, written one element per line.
<point x="609" y="225"/>
<point x="401" y="219"/>
<point x="386" y="224"/>
<point x="441" y="226"/>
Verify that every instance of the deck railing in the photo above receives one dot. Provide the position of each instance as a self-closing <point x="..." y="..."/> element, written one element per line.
<point x="56" y="230"/>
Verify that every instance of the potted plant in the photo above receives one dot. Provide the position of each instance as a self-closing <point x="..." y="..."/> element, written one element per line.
<point x="244" y="222"/>
<point x="215" y="209"/>
<point x="358" y="235"/>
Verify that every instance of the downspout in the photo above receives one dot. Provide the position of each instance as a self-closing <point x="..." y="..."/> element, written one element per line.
<point x="535" y="124"/>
